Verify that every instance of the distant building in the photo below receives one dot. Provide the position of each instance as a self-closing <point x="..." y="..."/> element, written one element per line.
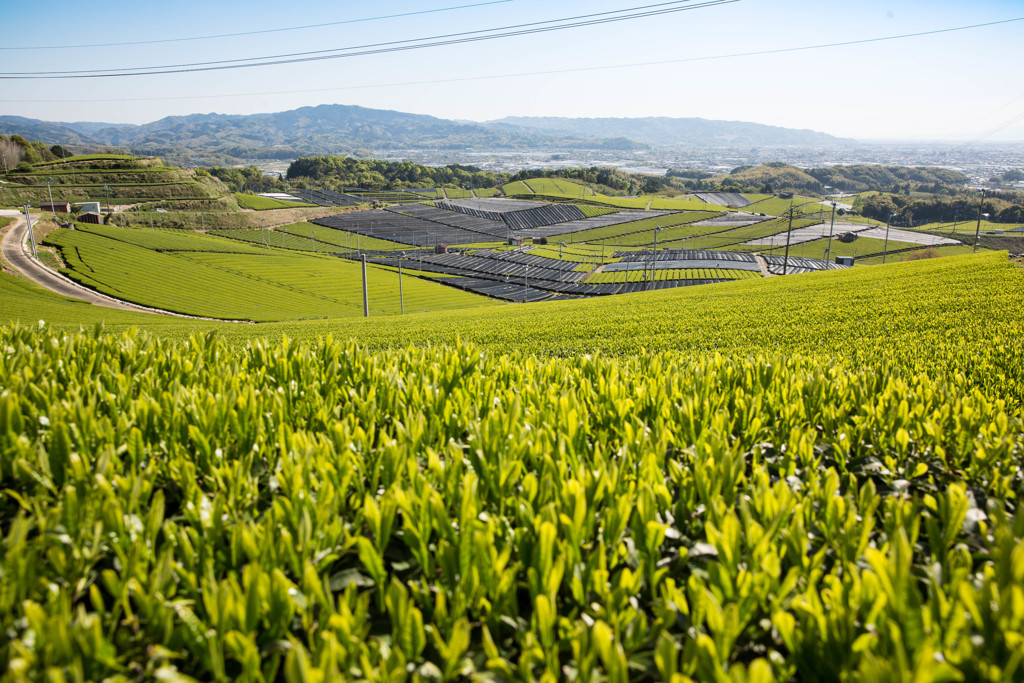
<point x="60" y="207"/>
<point x="89" y="206"/>
<point x="441" y="249"/>
<point x="90" y="217"/>
<point x="844" y="260"/>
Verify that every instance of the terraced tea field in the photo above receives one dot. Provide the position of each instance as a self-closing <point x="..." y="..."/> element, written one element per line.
<point x="832" y="492"/>
<point x="248" y="201"/>
<point x="210" y="276"/>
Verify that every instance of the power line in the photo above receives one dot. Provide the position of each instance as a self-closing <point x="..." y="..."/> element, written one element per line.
<point x="987" y="115"/>
<point x="992" y="131"/>
<point x="548" y="72"/>
<point x="261" y="31"/>
<point x="577" y="21"/>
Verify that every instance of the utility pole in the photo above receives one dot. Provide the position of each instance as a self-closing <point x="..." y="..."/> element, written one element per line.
<point x="789" y="231"/>
<point x="828" y="250"/>
<point x="52" y="208"/>
<point x="977" y="232"/>
<point x="313" y="237"/>
<point x="366" y="299"/>
<point x="401" y="294"/>
<point x="885" y="249"/>
<point x="654" y="263"/>
<point x="31" y="234"/>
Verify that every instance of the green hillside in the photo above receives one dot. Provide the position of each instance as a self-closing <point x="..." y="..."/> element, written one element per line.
<point x="209" y="276"/>
<point x="789" y="478"/>
<point x="109" y="179"/>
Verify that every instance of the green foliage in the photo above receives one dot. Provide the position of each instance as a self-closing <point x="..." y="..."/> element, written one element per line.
<point x="589" y="210"/>
<point x="558" y="187"/>
<point x="860" y="177"/>
<point x="210" y="276"/>
<point x="248" y="201"/>
<point x="662" y="273"/>
<point x="517" y="189"/>
<point x="640" y="233"/>
<point x="301" y="236"/>
<point x="114" y="179"/>
<point x="341" y="172"/>
<point x="777" y="206"/>
<point x="314" y="510"/>
<point x="801" y="478"/>
<point x="857" y="178"/>
<point x="779" y="176"/>
<point x="247" y="179"/>
<point x="961" y="207"/>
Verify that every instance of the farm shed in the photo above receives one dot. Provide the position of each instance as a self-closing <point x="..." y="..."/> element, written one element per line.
<point x="62" y="207"/>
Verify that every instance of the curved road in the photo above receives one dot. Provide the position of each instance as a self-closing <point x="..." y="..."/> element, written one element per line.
<point x="14" y="254"/>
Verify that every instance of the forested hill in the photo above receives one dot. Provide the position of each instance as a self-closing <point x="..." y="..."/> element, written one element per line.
<point x="325" y="129"/>
<point x="856" y="178"/>
<point x="341" y="129"/>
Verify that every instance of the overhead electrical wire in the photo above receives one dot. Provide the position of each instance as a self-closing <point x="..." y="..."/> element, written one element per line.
<point x="577" y="21"/>
<point x="260" y="31"/>
<point x="548" y="72"/>
<point x="988" y="115"/>
<point x="988" y="133"/>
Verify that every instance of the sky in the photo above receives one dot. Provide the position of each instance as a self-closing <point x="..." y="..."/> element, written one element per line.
<point x="737" y="60"/>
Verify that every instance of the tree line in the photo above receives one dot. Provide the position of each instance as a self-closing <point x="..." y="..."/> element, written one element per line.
<point x="1002" y="207"/>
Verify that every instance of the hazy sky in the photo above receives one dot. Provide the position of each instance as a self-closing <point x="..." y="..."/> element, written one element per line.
<point x="954" y="86"/>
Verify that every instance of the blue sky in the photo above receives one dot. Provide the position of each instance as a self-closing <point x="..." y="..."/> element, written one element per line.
<point x="950" y="86"/>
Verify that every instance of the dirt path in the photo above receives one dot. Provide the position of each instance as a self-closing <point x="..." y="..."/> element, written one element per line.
<point x="15" y="254"/>
<point x="763" y="265"/>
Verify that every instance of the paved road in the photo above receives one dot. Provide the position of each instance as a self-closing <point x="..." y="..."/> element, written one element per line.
<point x="15" y="255"/>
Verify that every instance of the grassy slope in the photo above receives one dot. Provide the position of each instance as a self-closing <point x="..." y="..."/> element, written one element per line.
<point x="863" y="315"/>
<point x="205" y="275"/>
<point x="731" y="512"/>
<point x="257" y="203"/>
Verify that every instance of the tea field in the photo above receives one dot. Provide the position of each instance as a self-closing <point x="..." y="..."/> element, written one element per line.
<point x="814" y="477"/>
<point x="239" y="279"/>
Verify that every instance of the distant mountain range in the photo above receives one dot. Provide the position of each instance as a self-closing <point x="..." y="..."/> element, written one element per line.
<point x="343" y="129"/>
<point x="662" y="131"/>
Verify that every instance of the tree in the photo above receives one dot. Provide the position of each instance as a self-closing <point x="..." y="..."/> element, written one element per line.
<point x="1011" y="214"/>
<point x="10" y="153"/>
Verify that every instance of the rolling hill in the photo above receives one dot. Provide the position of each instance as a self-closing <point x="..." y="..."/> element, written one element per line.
<point x="334" y="129"/>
